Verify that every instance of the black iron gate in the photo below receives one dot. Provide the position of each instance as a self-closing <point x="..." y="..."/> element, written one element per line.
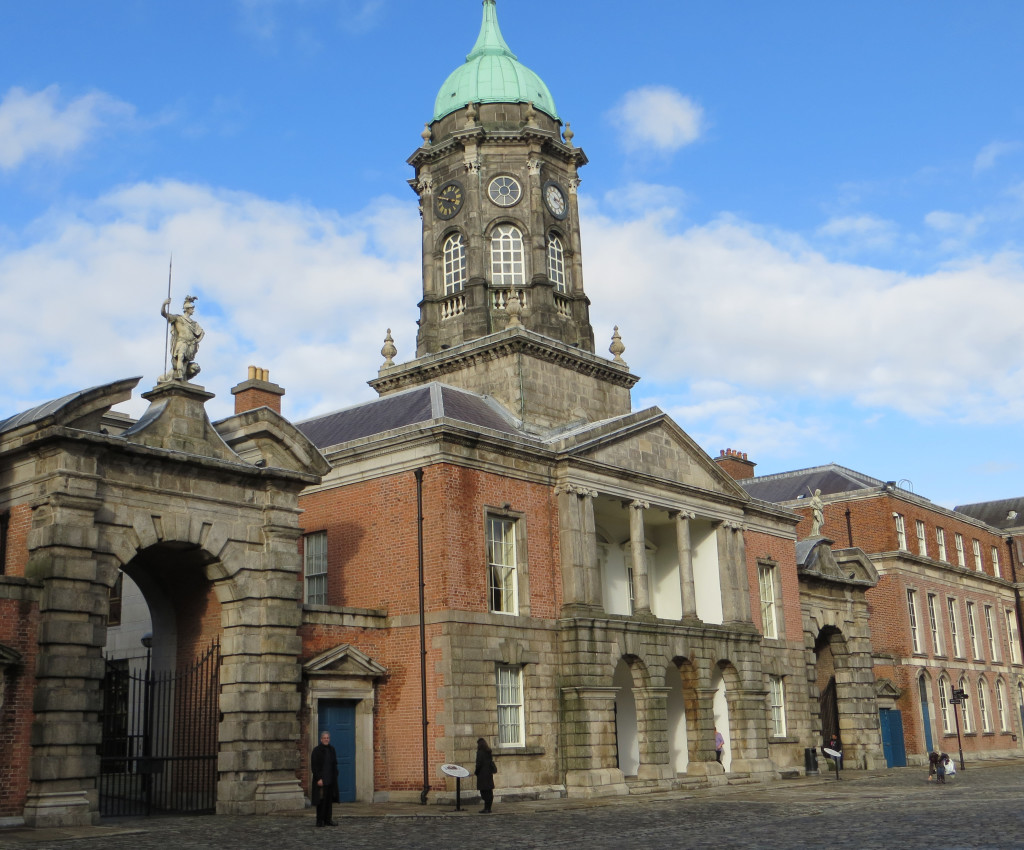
<point x="158" y="753"/>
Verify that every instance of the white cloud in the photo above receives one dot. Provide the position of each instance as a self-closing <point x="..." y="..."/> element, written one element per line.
<point x="761" y="310"/>
<point x="861" y="231"/>
<point x="658" y="118"/>
<point x="37" y="124"/>
<point x="286" y="287"/>
<point x="988" y="155"/>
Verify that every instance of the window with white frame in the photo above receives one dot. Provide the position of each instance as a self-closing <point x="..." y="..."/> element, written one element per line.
<point x="1012" y="637"/>
<point x="922" y="540"/>
<point x="556" y="264"/>
<point x="940" y="540"/>
<point x="995" y="561"/>
<point x="507" y="263"/>
<point x="915" y="637"/>
<point x="933" y="623"/>
<point x="314" y="557"/>
<point x="510" y="706"/>
<point x="901" y="531"/>
<point x="778" y="697"/>
<point x="993" y="635"/>
<point x="976" y="551"/>
<point x="501" y="565"/>
<point x="769" y="616"/>
<point x="1001" y="704"/>
<point x="965" y="707"/>
<point x="983" y="706"/>
<point x="958" y="541"/>
<point x="454" y="264"/>
<point x="954" y="629"/>
<point x="972" y="630"/>
<point x="944" y="707"/>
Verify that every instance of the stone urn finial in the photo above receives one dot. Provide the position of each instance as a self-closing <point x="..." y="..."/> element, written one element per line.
<point x="530" y="115"/>
<point x="514" y="307"/>
<point x="389" y="351"/>
<point x="616" y="348"/>
<point x="568" y="134"/>
<point x="426" y="134"/>
<point x="471" y="114"/>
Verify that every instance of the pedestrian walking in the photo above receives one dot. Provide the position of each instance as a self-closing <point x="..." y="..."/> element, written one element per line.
<point x="485" y="770"/>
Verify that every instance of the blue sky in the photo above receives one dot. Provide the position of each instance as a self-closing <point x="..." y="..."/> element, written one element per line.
<point x="804" y="217"/>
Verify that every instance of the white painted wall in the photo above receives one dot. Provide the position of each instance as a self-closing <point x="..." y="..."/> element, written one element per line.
<point x="625" y="721"/>
<point x="706" y="581"/>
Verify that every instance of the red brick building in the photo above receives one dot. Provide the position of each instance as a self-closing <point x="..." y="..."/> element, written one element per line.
<point x="944" y="614"/>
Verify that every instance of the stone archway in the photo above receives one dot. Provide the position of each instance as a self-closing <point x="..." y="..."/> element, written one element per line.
<point x="169" y="488"/>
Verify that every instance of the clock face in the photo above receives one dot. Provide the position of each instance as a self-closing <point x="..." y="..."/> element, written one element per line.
<point x="505" y="191"/>
<point x="448" y="200"/>
<point x="554" y="198"/>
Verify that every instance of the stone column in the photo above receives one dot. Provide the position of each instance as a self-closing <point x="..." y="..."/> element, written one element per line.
<point x="589" y="734"/>
<point x="652" y="732"/>
<point x="578" y="548"/>
<point x="732" y="569"/>
<point x="703" y="749"/>
<point x="641" y="589"/>
<point x="260" y="677"/>
<point x="570" y="544"/>
<point x="72" y="632"/>
<point x="686" y="585"/>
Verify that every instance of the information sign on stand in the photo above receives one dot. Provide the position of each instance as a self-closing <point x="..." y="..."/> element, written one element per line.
<point x="459" y="772"/>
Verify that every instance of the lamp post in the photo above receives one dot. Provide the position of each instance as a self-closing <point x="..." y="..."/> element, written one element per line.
<point x="959" y="697"/>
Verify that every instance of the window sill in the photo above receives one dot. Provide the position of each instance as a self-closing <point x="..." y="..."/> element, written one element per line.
<point x="785" y="739"/>
<point x="518" y="751"/>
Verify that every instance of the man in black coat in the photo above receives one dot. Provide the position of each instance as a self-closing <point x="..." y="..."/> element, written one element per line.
<point x="324" y="764"/>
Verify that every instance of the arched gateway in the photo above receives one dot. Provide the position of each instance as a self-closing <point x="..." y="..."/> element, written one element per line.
<point x="206" y="513"/>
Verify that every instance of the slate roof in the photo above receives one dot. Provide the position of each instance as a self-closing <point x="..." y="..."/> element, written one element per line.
<point x="996" y="513"/>
<point x="801" y="483"/>
<point x="409" y="407"/>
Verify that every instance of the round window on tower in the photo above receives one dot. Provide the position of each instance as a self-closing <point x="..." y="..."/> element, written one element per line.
<point x="505" y="191"/>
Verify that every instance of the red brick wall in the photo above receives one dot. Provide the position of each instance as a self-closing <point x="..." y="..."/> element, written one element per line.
<point x="779" y="549"/>
<point x="372" y="548"/>
<point x="373" y="563"/>
<point x="873" y="529"/>
<point x="17" y="540"/>
<point x="19" y="624"/>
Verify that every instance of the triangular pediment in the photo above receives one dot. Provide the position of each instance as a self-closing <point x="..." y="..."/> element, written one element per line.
<point x="885" y="688"/>
<point x="649" y="443"/>
<point x="344" y="660"/>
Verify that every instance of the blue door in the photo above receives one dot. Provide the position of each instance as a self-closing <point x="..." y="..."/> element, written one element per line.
<point x="925" y="714"/>
<point x="891" y="722"/>
<point x="338" y="716"/>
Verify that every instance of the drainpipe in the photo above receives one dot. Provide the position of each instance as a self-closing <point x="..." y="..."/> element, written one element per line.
<point x="423" y="634"/>
<point x="1016" y="598"/>
<point x="849" y="527"/>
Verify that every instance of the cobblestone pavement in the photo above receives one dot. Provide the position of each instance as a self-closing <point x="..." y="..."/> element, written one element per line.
<point x="898" y="809"/>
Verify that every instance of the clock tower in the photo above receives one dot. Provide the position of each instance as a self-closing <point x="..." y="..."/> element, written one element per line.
<point x="502" y="271"/>
<point x="497" y="187"/>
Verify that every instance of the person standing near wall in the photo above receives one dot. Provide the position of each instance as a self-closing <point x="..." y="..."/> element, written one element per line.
<point x="485" y="770"/>
<point x="323" y="762"/>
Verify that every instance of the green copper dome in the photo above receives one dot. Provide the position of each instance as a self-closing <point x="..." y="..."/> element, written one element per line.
<point x="492" y="74"/>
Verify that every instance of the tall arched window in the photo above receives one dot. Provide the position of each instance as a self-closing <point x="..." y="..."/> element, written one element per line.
<point x="454" y="264"/>
<point x="984" y="708"/>
<point x="968" y="717"/>
<point x="944" y="707"/>
<point x="556" y="264"/>
<point x="1001" y="704"/>
<point x="507" y="268"/>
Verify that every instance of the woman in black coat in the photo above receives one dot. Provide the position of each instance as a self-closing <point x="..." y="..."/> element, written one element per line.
<point x="485" y="770"/>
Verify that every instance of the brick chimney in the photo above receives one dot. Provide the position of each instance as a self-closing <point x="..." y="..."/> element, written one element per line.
<point x="735" y="464"/>
<point x="257" y="391"/>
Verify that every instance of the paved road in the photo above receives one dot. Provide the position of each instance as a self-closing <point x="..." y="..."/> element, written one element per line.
<point x="894" y="810"/>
